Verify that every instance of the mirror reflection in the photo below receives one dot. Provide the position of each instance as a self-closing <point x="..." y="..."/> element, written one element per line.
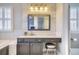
<point x="38" y="22"/>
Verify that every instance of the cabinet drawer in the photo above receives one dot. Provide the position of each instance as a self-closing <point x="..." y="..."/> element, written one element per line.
<point x="26" y="41"/>
<point x="48" y="40"/>
<point x="35" y="40"/>
<point x="20" y="40"/>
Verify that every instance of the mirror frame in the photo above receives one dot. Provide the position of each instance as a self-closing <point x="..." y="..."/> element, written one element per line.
<point x="39" y="29"/>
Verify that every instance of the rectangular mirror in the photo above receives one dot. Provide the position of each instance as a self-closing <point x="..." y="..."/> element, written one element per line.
<point x="38" y="22"/>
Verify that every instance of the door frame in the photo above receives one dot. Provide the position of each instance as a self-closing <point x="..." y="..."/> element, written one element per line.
<point x="66" y="29"/>
<point x="69" y="33"/>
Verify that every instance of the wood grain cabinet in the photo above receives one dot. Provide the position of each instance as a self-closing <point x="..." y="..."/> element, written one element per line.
<point x="33" y="46"/>
<point x="23" y="49"/>
<point x="29" y="47"/>
<point x="36" y="48"/>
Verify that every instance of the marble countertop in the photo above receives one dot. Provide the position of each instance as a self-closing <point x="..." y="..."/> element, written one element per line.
<point x="38" y="36"/>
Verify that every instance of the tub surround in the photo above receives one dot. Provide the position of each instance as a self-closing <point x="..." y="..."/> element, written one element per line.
<point x="4" y="43"/>
<point x="11" y="44"/>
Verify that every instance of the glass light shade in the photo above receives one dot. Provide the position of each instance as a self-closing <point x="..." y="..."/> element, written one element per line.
<point x="45" y="9"/>
<point x="31" y="8"/>
<point x="41" y="8"/>
<point x="36" y="8"/>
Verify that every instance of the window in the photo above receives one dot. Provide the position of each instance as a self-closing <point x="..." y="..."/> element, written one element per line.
<point x="73" y="13"/>
<point x="74" y="19"/>
<point x="73" y="25"/>
<point x="5" y="18"/>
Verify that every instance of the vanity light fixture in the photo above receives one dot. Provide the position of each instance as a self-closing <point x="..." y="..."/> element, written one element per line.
<point x="45" y="9"/>
<point x="31" y="8"/>
<point x="38" y="8"/>
<point x="41" y="8"/>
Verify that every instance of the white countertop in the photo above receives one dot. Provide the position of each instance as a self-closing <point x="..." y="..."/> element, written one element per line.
<point x="4" y="43"/>
<point x="38" y="36"/>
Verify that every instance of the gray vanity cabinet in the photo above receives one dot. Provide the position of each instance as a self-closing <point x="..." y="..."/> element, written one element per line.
<point x="23" y="49"/>
<point x="33" y="46"/>
<point x="36" y="48"/>
<point x="29" y="47"/>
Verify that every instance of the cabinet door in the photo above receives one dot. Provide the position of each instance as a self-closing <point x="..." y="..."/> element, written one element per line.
<point x="23" y="49"/>
<point x="36" y="48"/>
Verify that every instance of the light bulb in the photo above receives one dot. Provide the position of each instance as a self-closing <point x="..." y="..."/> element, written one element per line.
<point x="36" y="9"/>
<point x="31" y="8"/>
<point x="41" y="8"/>
<point x="45" y="9"/>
